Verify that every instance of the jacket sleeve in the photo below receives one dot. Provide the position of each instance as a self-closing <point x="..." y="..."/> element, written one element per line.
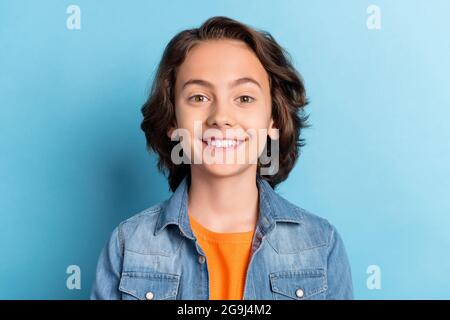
<point x="109" y="268"/>
<point x="339" y="276"/>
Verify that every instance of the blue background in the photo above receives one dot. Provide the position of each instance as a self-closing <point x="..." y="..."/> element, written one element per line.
<point x="73" y="162"/>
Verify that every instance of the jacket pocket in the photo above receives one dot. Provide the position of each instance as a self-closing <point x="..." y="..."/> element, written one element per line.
<point x="298" y="284"/>
<point x="149" y="285"/>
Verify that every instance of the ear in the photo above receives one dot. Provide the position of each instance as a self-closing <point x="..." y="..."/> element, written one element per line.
<point x="273" y="132"/>
<point x="170" y="131"/>
<point x="172" y="128"/>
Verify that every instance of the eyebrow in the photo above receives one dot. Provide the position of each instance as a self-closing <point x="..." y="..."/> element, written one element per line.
<point x="234" y="83"/>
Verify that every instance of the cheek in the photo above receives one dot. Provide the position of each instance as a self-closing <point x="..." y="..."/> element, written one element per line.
<point x="257" y="122"/>
<point x="190" y="120"/>
<point x="186" y="117"/>
<point x="257" y="128"/>
<point x="258" y="116"/>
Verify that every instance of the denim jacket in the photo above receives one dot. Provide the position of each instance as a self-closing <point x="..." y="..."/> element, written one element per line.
<point x="296" y="255"/>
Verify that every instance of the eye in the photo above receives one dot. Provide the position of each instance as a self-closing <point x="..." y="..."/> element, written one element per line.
<point x="246" y="99"/>
<point x="198" y="98"/>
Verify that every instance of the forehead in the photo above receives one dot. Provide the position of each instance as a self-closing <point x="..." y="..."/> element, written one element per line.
<point x="221" y="61"/>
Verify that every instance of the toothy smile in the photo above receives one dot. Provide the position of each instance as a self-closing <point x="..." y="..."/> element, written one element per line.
<point x="223" y="143"/>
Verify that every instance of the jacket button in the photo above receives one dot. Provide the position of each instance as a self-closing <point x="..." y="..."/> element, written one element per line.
<point x="299" y="293"/>
<point x="201" y="259"/>
<point x="149" y="295"/>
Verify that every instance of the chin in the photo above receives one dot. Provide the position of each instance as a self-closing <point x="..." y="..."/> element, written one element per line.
<point x="224" y="170"/>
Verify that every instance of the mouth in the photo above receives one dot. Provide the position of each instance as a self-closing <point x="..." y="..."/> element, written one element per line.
<point x="223" y="144"/>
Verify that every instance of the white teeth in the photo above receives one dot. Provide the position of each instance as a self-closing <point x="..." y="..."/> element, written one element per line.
<point x="223" y="143"/>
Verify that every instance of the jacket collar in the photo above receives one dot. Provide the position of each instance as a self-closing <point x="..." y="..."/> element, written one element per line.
<point x="272" y="208"/>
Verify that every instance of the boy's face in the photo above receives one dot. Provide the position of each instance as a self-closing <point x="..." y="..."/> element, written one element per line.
<point x="223" y="101"/>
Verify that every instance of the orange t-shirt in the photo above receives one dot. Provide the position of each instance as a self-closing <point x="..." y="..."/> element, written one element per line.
<point x="227" y="256"/>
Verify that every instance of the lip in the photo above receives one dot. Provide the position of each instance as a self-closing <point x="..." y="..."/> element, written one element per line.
<point x="213" y="137"/>
<point x="232" y="147"/>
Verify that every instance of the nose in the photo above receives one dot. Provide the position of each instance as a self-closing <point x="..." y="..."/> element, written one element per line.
<point x="220" y="115"/>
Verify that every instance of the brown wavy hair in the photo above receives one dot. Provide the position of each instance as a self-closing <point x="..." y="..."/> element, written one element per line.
<point x="286" y="85"/>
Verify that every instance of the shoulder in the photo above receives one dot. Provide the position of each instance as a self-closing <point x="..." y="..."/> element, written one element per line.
<point x="139" y="226"/>
<point x="146" y="218"/>
<point x="313" y="225"/>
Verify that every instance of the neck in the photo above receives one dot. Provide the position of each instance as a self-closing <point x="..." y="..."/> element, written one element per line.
<point x="224" y="204"/>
